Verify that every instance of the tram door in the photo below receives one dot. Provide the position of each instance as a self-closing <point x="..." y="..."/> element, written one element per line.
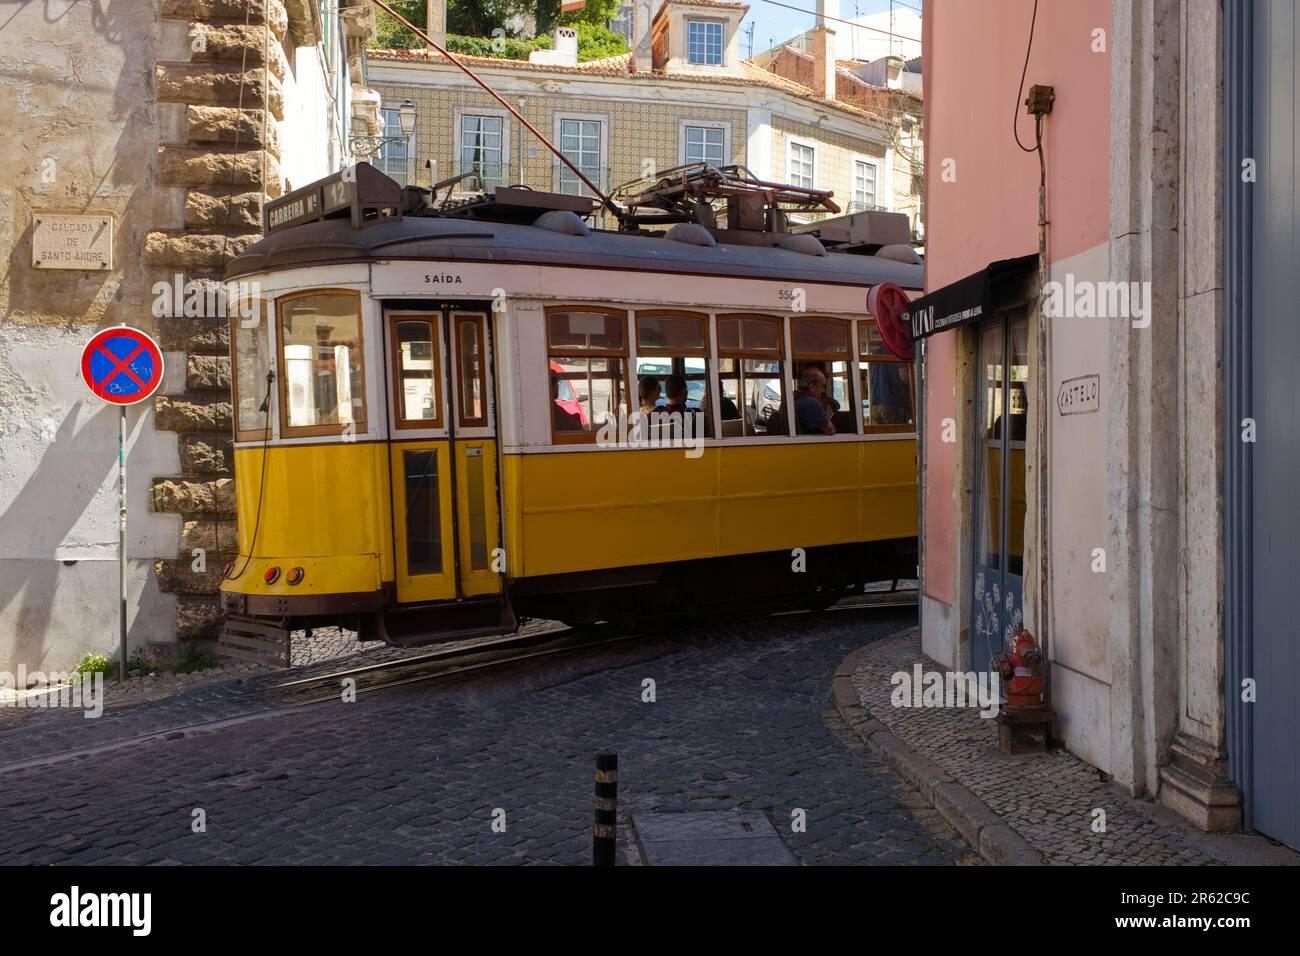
<point x="443" y="455"/>
<point x="1002" y="393"/>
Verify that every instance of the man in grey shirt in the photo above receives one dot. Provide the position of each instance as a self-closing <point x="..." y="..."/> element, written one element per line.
<point x="809" y="410"/>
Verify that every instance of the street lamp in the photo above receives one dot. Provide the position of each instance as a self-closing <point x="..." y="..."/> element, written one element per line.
<point x="406" y="117"/>
<point x="362" y="146"/>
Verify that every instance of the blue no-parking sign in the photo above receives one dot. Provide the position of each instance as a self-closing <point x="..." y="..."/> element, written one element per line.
<point x="122" y="366"/>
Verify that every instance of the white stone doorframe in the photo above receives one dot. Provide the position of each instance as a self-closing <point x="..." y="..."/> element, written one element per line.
<point x="1166" y="411"/>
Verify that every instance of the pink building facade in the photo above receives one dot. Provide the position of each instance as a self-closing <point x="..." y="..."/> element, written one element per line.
<point x="1073" y="416"/>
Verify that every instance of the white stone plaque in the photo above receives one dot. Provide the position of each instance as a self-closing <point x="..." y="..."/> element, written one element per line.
<point x="72" y="242"/>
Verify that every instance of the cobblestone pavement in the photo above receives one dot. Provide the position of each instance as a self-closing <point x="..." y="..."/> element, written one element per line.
<point x="1050" y="799"/>
<point x="740" y="721"/>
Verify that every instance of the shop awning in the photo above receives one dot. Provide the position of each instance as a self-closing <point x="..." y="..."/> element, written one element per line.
<point x="997" y="287"/>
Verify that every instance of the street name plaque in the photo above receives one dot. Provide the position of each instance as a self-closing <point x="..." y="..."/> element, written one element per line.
<point x="72" y="242"/>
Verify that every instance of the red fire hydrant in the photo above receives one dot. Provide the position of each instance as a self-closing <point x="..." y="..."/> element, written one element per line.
<point x="1021" y="670"/>
<point x="1024" y="722"/>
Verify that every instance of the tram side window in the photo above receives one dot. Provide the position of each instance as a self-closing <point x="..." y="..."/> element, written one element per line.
<point x="750" y="349"/>
<point x="824" y="344"/>
<point x="251" y="356"/>
<point x="587" y="358"/>
<point x="673" y="348"/>
<point x="322" y="377"/>
<point x="885" y="381"/>
<point x="416" y="343"/>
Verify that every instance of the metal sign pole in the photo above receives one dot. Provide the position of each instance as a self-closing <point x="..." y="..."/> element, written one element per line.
<point x="121" y="539"/>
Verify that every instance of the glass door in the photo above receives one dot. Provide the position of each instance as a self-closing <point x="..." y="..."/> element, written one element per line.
<point x="480" y="560"/>
<point x="420" y="458"/>
<point x="446" y="524"/>
<point x="1001" y="401"/>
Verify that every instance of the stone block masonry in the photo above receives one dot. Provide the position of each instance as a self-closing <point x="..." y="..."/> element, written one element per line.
<point x="226" y="156"/>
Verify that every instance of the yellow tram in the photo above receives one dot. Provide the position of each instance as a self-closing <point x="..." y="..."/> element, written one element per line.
<point x="431" y="408"/>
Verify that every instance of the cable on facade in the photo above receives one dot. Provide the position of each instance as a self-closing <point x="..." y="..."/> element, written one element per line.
<point x="1015" y="113"/>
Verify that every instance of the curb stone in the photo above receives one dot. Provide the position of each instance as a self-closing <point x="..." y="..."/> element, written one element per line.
<point x="979" y="826"/>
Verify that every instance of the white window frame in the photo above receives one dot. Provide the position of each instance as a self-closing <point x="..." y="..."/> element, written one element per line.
<point x="603" y="162"/>
<point x="408" y="167"/>
<point x="506" y="136"/>
<point x="853" y="175"/>
<point x="683" y="125"/>
<point x="722" y="48"/>
<point x="790" y="144"/>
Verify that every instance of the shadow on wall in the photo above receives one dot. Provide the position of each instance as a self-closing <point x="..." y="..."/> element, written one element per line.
<point x="39" y="520"/>
<point x="101" y="157"/>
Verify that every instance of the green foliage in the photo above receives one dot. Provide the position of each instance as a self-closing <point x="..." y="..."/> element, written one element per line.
<point x="478" y="18"/>
<point x="92" y="663"/>
<point x="391" y="35"/>
<point x="188" y="660"/>
<point x="470" y="24"/>
<point x="596" y="42"/>
<point x="596" y="12"/>
<point x="508" y="48"/>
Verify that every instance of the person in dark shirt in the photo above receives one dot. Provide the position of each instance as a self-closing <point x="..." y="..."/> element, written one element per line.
<point x="675" y="392"/>
<point x="891" y="393"/>
<point x="810" y="411"/>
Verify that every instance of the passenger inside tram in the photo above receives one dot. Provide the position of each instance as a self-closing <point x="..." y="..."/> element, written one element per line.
<point x="675" y="392"/>
<point x="813" y="409"/>
<point x="648" y="392"/>
<point x="562" y="419"/>
<point x="891" y="391"/>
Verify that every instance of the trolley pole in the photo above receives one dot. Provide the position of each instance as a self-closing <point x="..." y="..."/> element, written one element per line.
<point x="604" y="835"/>
<point x="121" y="540"/>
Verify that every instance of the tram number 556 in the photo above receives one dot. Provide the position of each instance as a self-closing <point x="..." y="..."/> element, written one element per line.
<point x="796" y="296"/>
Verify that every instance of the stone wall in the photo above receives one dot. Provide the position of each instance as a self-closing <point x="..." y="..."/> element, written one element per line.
<point x="168" y="117"/>
<point x="220" y="89"/>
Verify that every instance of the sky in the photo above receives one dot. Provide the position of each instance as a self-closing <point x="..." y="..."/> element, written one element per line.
<point x="777" y="24"/>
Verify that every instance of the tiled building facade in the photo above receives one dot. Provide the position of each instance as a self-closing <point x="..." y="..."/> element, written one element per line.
<point x="625" y="117"/>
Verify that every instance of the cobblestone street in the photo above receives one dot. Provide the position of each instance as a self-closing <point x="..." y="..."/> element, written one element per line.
<point x="741" y="721"/>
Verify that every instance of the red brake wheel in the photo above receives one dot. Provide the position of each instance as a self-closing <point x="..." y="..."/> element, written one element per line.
<point x="888" y="303"/>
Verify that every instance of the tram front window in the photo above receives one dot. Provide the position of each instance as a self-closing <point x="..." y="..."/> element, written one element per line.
<point x="322" y="379"/>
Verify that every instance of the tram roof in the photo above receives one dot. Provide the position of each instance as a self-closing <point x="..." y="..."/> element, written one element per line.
<point x="451" y="239"/>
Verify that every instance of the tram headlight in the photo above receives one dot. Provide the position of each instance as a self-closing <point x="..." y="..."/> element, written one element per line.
<point x="295" y="576"/>
<point x="271" y="576"/>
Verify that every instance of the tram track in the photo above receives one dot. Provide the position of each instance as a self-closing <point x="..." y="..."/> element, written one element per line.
<point x="292" y="696"/>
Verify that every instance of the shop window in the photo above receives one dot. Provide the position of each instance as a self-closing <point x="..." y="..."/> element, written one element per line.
<point x="672" y="348"/>
<point x="322" y="379"/>
<point x="587" y="358"/>
<point x="750" y="349"/>
<point x="824" y="344"/>
<point x="885" y="384"/>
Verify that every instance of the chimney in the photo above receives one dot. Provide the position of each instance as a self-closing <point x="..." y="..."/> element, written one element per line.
<point x="563" y="52"/>
<point x="565" y="43"/>
<point x="824" y="50"/>
<point x="435" y="23"/>
<point x="643" y="15"/>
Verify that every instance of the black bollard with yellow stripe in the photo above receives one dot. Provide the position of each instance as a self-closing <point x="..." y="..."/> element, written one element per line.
<point x="604" y="836"/>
